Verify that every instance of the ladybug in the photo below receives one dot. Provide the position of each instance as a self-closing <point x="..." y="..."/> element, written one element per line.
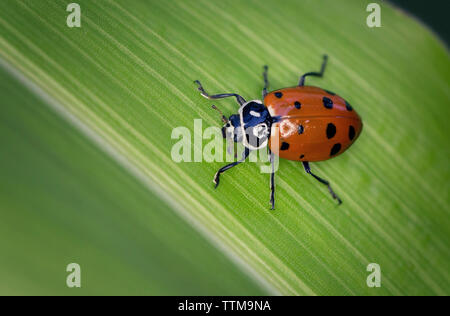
<point x="302" y="123"/>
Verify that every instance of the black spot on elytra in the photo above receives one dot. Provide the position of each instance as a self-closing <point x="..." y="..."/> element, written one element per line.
<point x="336" y="148"/>
<point x="331" y="130"/>
<point x="301" y="129"/>
<point x="302" y="156"/>
<point x="329" y="92"/>
<point x="284" y="146"/>
<point x="327" y="103"/>
<point x="279" y="95"/>
<point x="351" y="132"/>
<point x="348" y="106"/>
<point x="298" y="105"/>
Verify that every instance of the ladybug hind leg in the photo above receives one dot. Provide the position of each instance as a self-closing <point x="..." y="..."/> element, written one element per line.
<point x="316" y="74"/>
<point x="308" y="170"/>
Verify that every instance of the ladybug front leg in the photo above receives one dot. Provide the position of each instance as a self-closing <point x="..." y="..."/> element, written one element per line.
<point x="308" y="170"/>
<point x="231" y="165"/>
<point x="239" y="99"/>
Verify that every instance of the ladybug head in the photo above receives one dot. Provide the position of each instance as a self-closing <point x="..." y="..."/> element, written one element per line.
<point x="251" y="125"/>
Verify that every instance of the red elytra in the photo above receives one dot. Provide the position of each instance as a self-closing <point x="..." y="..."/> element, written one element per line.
<point x="315" y="124"/>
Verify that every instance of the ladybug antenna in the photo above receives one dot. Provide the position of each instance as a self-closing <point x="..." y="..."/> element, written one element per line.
<point x="224" y="119"/>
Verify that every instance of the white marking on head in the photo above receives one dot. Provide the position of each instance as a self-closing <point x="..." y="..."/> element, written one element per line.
<point x="261" y="130"/>
<point x="256" y="114"/>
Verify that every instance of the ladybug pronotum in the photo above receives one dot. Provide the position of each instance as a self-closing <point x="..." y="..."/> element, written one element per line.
<point x="306" y="124"/>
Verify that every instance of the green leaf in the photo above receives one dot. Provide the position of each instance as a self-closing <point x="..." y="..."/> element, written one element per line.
<point x="87" y="175"/>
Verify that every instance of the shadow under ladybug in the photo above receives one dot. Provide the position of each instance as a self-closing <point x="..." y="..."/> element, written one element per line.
<point x="301" y="123"/>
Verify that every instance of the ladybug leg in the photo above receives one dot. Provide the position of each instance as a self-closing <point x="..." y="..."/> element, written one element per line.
<point x="308" y="170"/>
<point x="231" y="165"/>
<point x="316" y="74"/>
<point x="266" y="82"/>
<point x="272" y="181"/>
<point x="239" y="99"/>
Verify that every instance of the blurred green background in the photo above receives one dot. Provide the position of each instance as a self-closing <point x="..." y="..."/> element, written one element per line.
<point x="432" y="13"/>
<point x="85" y="138"/>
